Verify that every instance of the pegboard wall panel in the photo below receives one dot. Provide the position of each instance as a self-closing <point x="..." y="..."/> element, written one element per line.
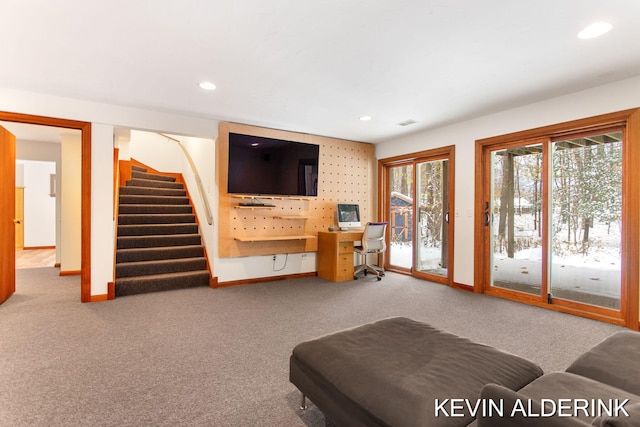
<point x="346" y="172"/>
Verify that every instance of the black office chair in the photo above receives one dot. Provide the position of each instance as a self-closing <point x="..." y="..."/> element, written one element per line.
<point x="373" y="242"/>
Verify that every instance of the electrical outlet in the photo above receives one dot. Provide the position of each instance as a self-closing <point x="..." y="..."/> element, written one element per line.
<point x="274" y="258"/>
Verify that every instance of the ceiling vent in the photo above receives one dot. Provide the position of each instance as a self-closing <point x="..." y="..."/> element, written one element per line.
<point x="407" y="122"/>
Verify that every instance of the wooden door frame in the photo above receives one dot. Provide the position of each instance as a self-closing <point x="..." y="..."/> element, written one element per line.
<point x="20" y="210"/>
<point x="85" y="129"/>
<point x="384" y="203"/>
<point x="630" y="271"/>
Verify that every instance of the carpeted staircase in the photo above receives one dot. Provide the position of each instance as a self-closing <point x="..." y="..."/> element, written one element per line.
<point x="159" y="246"/>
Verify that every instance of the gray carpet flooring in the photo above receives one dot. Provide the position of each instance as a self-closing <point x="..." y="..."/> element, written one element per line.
<point x="219" y="357"/>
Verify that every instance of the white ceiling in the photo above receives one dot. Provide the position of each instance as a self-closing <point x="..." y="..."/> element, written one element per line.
<point x="317" y="66"/>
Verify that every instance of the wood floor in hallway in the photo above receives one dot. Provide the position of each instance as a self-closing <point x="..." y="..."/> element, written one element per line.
<point x="35" y="258"/>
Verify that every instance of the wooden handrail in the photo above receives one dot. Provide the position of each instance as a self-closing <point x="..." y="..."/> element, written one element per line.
<point x="116" y="181"/>
<point x="207" y="208"/>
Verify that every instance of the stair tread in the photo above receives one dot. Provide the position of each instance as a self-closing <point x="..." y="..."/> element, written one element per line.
<point x="158" y="234"/>
<point x="152" y="183"/>
<point x="163" y="276"/>
<point x="152" y="176"/>
<point x="162" y="261"/>
<point x="156" y="218"/>
<point x="157" y="248"/>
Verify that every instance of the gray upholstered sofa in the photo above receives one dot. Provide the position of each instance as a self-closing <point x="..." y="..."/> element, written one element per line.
<point x="399" y="372"/>
<point x="600" y="388"/>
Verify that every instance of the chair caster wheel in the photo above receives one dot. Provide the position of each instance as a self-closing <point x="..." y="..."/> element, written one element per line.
<point x="355" y="277"/>
<point x="379" y="278"/>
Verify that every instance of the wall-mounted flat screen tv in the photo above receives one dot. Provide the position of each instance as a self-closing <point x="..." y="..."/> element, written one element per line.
<point x="272" y="167"/>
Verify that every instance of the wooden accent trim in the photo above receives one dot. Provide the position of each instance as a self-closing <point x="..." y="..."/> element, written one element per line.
<point x="563" y="306"/>
<point x="85" y="128"/>
<point x="565" y="129"/>
<point x="479" y="219"/>
<point x="100" y="298"/>
<point x="124" y="166"/>
<point x="116" y="181"/>
<point x="56" y="265"/>
<point x="264" y="280"/>
<point x="345" y="173"/>
<point x="463" y="287"/>
<point x="213" y="282"/>
<point x="72" y="273"/>
<point x="111" y="290"/>
<point x="631" y="210"/>
<point x="31" y="248"/>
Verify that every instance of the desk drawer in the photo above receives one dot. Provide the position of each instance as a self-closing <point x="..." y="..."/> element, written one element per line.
<point x="344" y="267"/>
<point x="345" y="247"/>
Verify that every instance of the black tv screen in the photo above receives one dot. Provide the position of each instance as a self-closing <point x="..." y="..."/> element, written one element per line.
<point x="272" y="167"/>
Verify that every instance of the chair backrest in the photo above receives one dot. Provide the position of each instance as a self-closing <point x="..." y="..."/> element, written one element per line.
<point x="373" y="237"/>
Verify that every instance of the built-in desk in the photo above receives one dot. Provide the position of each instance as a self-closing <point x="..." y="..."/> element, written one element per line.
<point x="335" y="254"/>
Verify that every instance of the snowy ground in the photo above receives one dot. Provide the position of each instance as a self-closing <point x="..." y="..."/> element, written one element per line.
<point x="598" y="273"/>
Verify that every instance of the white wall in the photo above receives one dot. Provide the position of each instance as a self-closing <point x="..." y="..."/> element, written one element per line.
<point x="45" y="151"/>
<point x="39" y="206"/>
<point x="71" y="200"/>
<point x="102" y="213"/>
<point x="609" y="98"/>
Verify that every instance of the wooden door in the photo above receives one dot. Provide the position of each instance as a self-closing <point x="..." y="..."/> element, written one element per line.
<point x="7" y="212"/>
<point x="19" y="218"/>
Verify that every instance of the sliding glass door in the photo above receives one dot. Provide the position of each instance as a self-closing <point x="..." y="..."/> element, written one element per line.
<point x="516" y="218"/>
<point x="401" y="216"/>
<point x="432" y="237"/>
<point x="586" y="214"/>
<point x="557" y="219"/>
<point x="417" y="200"/>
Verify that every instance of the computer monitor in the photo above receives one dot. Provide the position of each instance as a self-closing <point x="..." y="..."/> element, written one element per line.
<point x="348" y="216"/>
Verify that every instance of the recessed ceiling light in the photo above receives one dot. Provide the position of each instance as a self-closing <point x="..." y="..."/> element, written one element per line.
<point x="207" y="86"/>
<point x="365" y="118"/>
<point x="595" y="30"/>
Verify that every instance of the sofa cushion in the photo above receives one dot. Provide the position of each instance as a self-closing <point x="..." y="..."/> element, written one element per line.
<point x="615" y="361"/>
<point x="393" y="371"/>
<point x="554" y="386"/>
<point x="632" y="421"/>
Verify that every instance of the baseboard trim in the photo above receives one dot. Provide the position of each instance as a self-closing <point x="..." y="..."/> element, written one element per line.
<point x="264" y="279"/>
<point x="33" y="248"/>
<point x="71" y="273"/>
<point x="213" y="282"/>
<point x="111" y="290"/>
<point x="99" y="298"/>
<point x="56" y="265"/>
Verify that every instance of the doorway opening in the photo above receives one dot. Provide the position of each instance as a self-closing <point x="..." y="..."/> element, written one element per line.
<point x="85" y="187"/>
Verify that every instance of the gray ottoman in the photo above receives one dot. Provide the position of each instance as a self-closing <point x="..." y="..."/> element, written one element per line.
<point x="390" y="373"/>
